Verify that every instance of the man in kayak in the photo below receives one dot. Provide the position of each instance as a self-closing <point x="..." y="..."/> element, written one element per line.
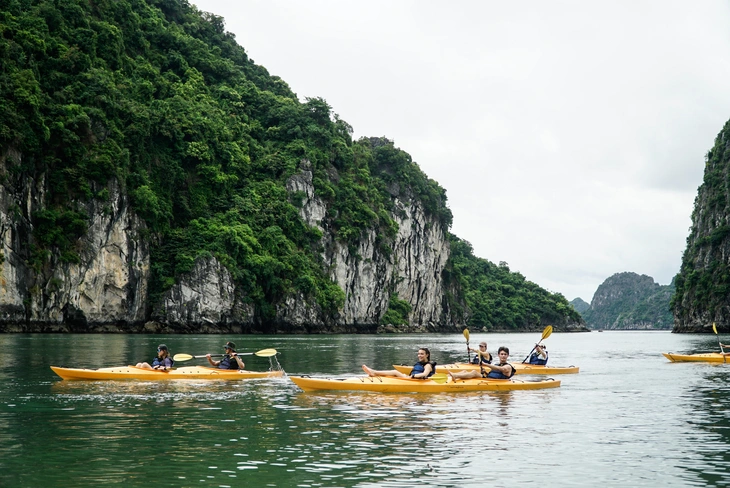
<point x="161" y="361"/>
<point x="501" y="371"/>
<point x="482" y="354"/>
<point x="230" y="359"/>
<point x="421" y="370"/>
<point x="539" y="356"/>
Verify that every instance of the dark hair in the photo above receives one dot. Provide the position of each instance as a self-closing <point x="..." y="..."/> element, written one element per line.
<point x="503" y="348"/>
<point x="428" y="353"/>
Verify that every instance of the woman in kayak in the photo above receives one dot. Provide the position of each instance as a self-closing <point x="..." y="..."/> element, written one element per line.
<point x="539" y="356"/>
<point x="230" y="359"/>
<point x="501" y="371"/>
<point x="482" y="353"/>
<point x="161" y="361"/>
<point x="421" y="370"/>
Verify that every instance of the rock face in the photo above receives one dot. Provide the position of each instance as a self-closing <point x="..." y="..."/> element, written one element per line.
<point x="630" y="301"/>
<point x="703" y="282"/>
<point x="106" y="290"/>
<point x="368" y="276"/>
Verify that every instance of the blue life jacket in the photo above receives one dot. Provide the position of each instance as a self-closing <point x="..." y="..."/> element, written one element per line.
<point x="536" y="359"/>
<point x="419" y="368"/>
<point x="228" y="362"/>
<point x="497" y="375"/>
<point x="485" y="359"/>
<point x="165" y="363"/>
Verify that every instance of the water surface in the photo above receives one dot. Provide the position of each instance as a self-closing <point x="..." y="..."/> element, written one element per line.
<point x="630" y="418"/>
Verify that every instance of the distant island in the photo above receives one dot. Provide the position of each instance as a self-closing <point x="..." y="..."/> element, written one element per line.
<point x="628" y="301"/>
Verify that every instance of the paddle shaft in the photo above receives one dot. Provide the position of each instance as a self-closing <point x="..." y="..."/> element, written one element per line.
<point x="545" y="334"/>
<point x="221" y="355"/>
<point x="264" y="353"/>
<point x="714" y="329"/>
<point x="468" y="350"/>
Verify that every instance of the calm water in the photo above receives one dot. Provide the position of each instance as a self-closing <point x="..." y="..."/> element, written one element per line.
<point x="630" y="418"/>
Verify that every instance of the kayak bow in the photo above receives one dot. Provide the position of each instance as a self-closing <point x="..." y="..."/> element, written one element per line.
<point x="707" y="357"/>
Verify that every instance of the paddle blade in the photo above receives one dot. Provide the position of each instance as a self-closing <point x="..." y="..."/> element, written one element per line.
<point x="439" y="377"/>
<point x="714" y="328"/>
<point x="265" y="353"/>
<point x="466" y="335"/>
<point x="182" y="357"/>
<point x="546" y="333"/>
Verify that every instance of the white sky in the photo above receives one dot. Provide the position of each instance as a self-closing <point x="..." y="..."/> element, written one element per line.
<point x="569" y="135"/>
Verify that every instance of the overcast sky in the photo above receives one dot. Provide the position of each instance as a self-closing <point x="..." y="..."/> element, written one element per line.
<point x="570" y="136"/>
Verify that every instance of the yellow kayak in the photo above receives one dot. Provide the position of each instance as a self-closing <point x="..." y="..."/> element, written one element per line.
<point x="707" y="357"/>
<point x="520" y="368"/>
<point x="389" y="384"/>
<point x="134" y="373"/>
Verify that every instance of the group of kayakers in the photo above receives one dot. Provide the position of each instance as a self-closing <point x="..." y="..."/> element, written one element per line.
<point x="229" y="360"/>
<point x="425" y="367"/>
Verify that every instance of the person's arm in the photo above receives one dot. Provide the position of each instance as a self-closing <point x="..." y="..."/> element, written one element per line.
<point x="241" y="365"/>
<point x="505" y="370"/>
<point x="213" y="363"/>
<point x="426" y="371"/>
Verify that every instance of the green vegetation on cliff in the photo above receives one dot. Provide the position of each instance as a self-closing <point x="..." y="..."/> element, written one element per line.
<point x="703" y="282"/>
<point x="500" y="299"/>
<point x="157" y="96"/>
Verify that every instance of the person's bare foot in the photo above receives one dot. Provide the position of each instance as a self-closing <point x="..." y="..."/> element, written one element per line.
<point x="369" y="371"/>
<point x="451" y="376"/>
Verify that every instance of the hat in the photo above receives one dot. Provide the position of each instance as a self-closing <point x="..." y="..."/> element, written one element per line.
<point x="162" y="347"/>
<point x="231" y="345"/>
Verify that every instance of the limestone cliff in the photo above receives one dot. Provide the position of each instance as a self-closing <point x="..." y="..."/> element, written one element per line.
<point x="413" y="270"/>
<point x="104" y="289"/>
<point x="630" y="301"/>
<point x="154" y="178"/>
<point x="703" y="283"/>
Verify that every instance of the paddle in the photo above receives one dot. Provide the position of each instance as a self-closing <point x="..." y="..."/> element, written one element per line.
<point x="545" y="334"/>
<point x="714" y="328"/>
<point x="264" y="353"/>
<point x="468" y="351"/>
<point x="439" y="377"/>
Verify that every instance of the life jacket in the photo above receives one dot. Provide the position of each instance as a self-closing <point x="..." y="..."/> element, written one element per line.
<point x="485" y="359"/>
<point x="419" y="368"/>
<point x="497" y="375"/>
<point x="165" y="363"/>
<point x="228" y="362"/>
<point x="536" y="359"/>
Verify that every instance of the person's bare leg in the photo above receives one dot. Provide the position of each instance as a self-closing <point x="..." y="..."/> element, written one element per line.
<point x="462" y="375"/>
<point x="390" y="372"/>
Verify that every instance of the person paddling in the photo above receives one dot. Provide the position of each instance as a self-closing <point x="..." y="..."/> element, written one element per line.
<point x="539" y="356"/>
<point x="421" y="370"/>
<point x="230" y="359"/>
<point x="501" y="371"/>
<point x="161" y="361"/>
<point x="482" y="355"/>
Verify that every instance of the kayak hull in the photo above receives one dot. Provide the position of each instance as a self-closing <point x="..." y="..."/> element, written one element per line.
<point x="387" y="384"/>
<point x="520" y="368"/>
<point x="185" y="373"/>
<point x="708" y="357"/>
